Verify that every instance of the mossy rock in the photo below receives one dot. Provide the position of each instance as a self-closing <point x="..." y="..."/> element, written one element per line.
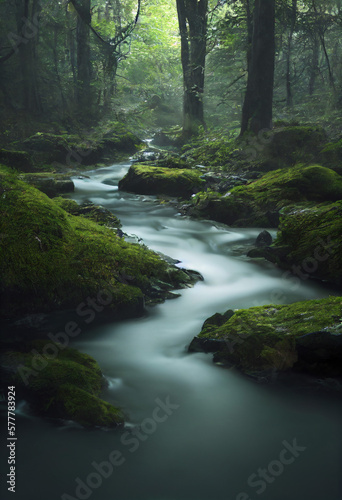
<point x="18" y="160"/>
<point x="214" y="150"/>
<point x="119" y="138"/>
<point x="312" y="237"/>
<point x="331" y="156"/>
<point x="172" y="161"/>
<point x="52" y="260"/>
<point x="281" y="147"/>
<point x="259" y="202"/>
<point x="72" y="151"/>
<point x="272" y="337"/>
<point x="50" y="184"/>
<point x="146" y="179"/>
<point x="295" y="143"/>
<point x="60" y="382"/>
<point x="89" y="210"/>
<point x="47" y="147"/>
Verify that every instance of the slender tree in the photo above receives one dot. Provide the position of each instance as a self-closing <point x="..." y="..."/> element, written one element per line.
<point x="257" y="107"/>
<point x="27" y="15"/>
<point x="192" y="19"/>
<point x="292" y="17"/>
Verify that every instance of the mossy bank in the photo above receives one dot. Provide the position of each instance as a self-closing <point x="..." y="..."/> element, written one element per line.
<point x="52" y="260"/>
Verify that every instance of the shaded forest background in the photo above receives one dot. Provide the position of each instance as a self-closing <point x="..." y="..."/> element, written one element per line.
<point x="74" y="63"/>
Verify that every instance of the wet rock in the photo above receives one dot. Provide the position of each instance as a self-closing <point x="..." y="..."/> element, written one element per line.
<point x="66" y="386"/>
<point x="98" y="214"/>
<point x="309" y="242"/>
<point x="305" y="336"/>
<point x="146" y="179"/>
<point x="321" y="352"/>
<point x="18" y="160"/>
<point x="50" y="184"/>
<point x="264" y="239"/>
<point x="259" y="203"/>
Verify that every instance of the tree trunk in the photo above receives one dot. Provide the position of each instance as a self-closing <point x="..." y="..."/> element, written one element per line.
<point x="28" y="30"/>
<point x="249" y="20"/>
<point x="83" y="56"/>
<point x="257" y="107"/>
<point x="314" y="69"/>
<point x="293" y="16"/>
<point x="192" y="19"/>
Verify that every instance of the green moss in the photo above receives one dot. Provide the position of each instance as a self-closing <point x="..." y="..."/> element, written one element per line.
<point x="296" y="143"/>
<point x="51" y="259"/>
<point x="172" y="161"/>
<point x="213" y="148"/>
<point x="49" y="183"/>
<point x="259" y="202"/>
<point x="19" y="160"/>
<point x="331" y="156"/>
<point x="61" y="383"/>
<point x="96" y="213"/>
<point x="264" y="337"/>
<point x="146" y="179"/>
<point x="86" y="409"/>
<point x="88" y="148"/>
<point x="313" y="237"/>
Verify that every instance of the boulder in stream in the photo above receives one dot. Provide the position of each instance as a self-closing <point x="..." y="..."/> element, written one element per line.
<point x="304" y="336"/>
<point x="59" y="382"/>
<point x="146" y="179"/>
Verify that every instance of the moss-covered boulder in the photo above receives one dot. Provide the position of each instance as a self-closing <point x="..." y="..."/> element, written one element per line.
<point x="89" y="210"/>
<point x="18" y="160"/>
<point x="259" y="202"/>
<point x="50" y="184"/>
<point x="52" y="260"/>
<point x="73" y="151"/>
<point x="46" y="147"/>
<point x="59" y="382"/>
<point x="302" y="336"/>
<point x="146" y="179"/>
<point x="292" y="144"/>
<point x="118" y="138"/>
<point x="331" y="156"/>
<point x="309" y="242"/>
<point x="269" y="150"/>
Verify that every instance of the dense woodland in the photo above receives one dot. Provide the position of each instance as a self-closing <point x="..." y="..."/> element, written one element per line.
<point x="243" y="101"/>
<point x="71" y="62"/>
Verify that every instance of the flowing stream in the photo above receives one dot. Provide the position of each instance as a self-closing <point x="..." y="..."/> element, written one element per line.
<point x="200" y="432"/>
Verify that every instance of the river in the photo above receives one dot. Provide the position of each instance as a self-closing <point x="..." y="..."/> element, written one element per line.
<point x="200" y="432"/>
